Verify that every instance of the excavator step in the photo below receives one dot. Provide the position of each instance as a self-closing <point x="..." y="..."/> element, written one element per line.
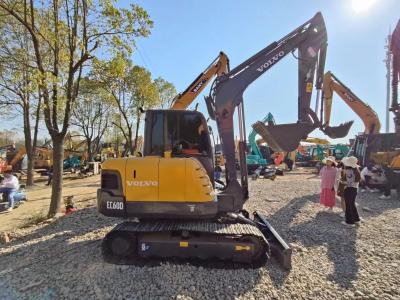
<point x="239" y="243"/>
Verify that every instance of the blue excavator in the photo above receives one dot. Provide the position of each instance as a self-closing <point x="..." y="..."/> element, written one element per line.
<point x="256" y="158"/>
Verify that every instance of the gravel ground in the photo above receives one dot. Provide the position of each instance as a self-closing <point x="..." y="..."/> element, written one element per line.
<point x="62" y="259"/>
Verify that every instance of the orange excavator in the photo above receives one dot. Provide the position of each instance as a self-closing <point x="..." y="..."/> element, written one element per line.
<point x="331" y="85"/>
<point x="218" y="67"/>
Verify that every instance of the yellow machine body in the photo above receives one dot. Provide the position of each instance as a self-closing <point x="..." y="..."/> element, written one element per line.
<point x="158" y="179"/>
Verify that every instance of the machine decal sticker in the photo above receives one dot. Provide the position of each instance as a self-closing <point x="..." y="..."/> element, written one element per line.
<point x="115" y="205"/>
<point x="271" y="61"/>
<point x="141" y="183"/>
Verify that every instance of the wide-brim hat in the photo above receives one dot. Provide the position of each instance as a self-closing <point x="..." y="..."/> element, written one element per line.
<point x="329" y="158"/>
<point x="350" y="161"/>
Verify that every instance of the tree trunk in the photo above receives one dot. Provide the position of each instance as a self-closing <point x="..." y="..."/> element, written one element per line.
<point x="28" y="140"/>
<point x="136" y="134"/>
<point x="89" y="150"/>
<point x="30" y="170"/>
<point x="130" y="142"/>
<point x="57" y="181"/>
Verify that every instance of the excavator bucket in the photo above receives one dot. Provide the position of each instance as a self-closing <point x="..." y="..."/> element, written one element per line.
<point x="340" y="131"/>
<point x="284" y="137"/>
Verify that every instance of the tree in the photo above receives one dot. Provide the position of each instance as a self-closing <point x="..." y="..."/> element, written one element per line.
<point x="166" y="91"/>
<point x="65" y="37"/>
<point x="132" y="91"/>
<point x="91" y="115"/>
<point x="18" y="88"/>
<point x="145" y="95"/>
<point x="116" y="82"/>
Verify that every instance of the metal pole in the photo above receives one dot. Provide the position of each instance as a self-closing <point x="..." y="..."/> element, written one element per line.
<point x="317" y="102"/>
<point x="388" y="73"/>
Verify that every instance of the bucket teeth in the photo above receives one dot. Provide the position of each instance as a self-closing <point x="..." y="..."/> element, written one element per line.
<point x="283" y="137"/>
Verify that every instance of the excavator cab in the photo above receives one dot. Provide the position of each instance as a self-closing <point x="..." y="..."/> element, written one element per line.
<point x="179" y="133"/>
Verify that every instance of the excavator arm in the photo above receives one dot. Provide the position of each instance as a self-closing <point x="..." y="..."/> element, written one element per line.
<point x="218" y="67"/>
<point x="369" y="117"/>
<point x="395" y="49"/>
<point x="227" y="93"/>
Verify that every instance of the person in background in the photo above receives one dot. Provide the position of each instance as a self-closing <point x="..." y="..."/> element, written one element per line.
<point x="49" y="176"/>
<point x="203" y="139"/>
<point x="328" y="177"/>
<point x="339" y="187"/>
<point x="289" y="161"/>
<point x="217" y="172"/>
<point x="380" y="182"/>
<point x="351" y="178"/>
<point x="10" y="186"/>
<point x="366" y="174"/>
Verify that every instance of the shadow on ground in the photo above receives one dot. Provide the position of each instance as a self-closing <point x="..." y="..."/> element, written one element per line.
<point x="67" y="252"/>
<point x="325" y="229"/>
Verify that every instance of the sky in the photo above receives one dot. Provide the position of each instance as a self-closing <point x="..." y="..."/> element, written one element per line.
<point x="188" y="35"/>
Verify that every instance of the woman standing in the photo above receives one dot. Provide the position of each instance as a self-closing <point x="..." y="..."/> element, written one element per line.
<point x="351" y="178"/>
<point x="328" y="178"/>
<point x="339" y="187"/>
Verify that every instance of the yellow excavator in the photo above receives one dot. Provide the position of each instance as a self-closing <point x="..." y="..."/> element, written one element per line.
<point x="384" y="148"/>
<point x="170" y="189"/>
<point x="331" y="85"/>
<point x="218" y="67"/>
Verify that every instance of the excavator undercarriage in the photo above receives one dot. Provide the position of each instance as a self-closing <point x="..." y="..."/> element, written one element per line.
<point x="235" y="238"/>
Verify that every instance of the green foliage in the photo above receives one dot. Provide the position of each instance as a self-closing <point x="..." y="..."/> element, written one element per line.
<point x="166" y="91"/>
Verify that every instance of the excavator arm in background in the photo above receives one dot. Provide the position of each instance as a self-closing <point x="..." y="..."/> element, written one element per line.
<point x="369" y="117"/>
<point x="227" y="93"/>
<point x="252" y="136"/>
<point x="218" y="67"/>
<point x="395" y="50"/>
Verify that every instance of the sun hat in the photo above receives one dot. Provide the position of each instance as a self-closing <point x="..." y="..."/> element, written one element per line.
<point x="330" y="158"/>
<point x="350" y="161"/>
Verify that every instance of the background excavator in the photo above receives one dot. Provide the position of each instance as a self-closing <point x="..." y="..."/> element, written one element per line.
<point x="384" y="148"/>
<point x="170" y="191"/>
<point x="331" y="85"/>
<point x="256" y="158"/>
<point x="218" y="67"/>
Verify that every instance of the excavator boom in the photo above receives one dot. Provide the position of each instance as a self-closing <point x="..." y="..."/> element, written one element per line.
<point x="311" y="40"/>
<point x="218" y="67"/>
<point x="369" y="117"/>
